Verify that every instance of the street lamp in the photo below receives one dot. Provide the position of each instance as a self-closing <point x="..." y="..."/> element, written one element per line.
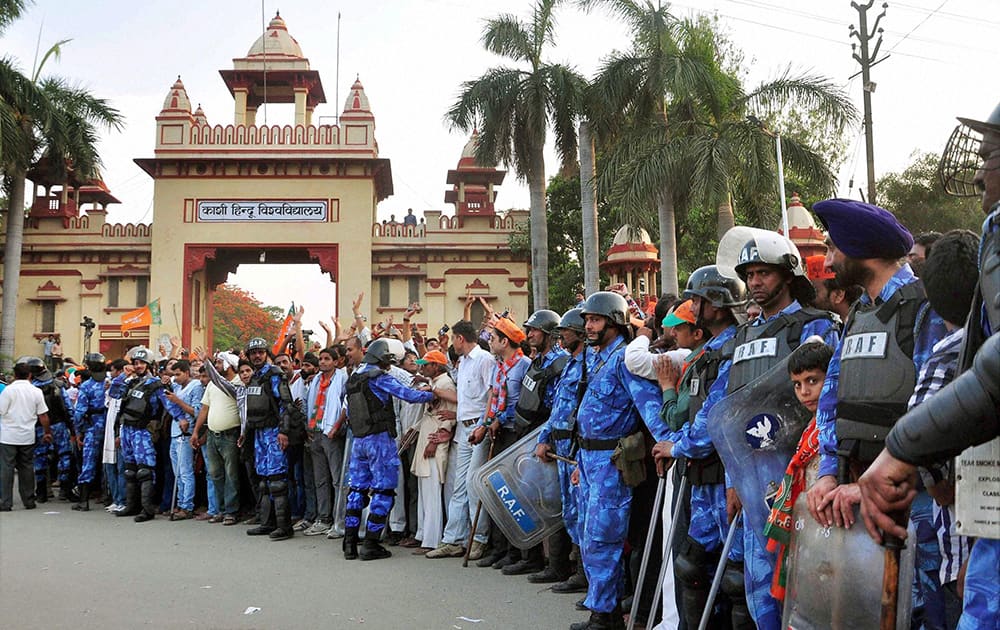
<point x="781" y="169"/>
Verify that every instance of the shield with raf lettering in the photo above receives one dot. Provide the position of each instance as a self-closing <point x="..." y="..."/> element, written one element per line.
<point x="756" y="431"/>
<point x="521" y="493"/>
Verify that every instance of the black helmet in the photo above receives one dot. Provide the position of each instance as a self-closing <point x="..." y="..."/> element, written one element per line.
<point x="95" y="362"/>
<point x="35" y="364"/>
<point x="572" y="320"/>
<point x="608" y="304"/>
<point x="257" y="343"/>
<point x="378" y="352"/>
<point x="721" y="291"/>
<point x="543" y="319"/>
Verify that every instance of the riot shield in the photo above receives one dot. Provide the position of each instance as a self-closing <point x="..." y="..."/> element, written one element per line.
<point x="521" y="493"/>
<point x="756" y="431"/>
<point x="835" y="576"/>
<point x="977" y="490"/>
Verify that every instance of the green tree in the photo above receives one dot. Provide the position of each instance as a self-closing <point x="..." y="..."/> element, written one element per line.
<point x="917" y="199"/>
<point x="238" y="316"/>
<point x="40" y="118"/>
<point x="514" y="108"/>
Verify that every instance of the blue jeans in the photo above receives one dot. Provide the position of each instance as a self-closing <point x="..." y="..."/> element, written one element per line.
<point x="182" y="459"/>
<point x="115" y="474"/>
<point x="222" y="458"/>
<point x="213" y="505"/>
<point x="468" y="459"/>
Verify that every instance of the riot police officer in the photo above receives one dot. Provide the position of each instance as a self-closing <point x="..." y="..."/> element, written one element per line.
<point x="374" y="463"/>
<point x="558" y="434"/>
<point x="60" y="411"/>
<point x="88" y="418"/>
<point x="142" y="405"/>
<point x="276" y="422"/>
<point x="715" y="300"/>
<point x="533" y="407"/>
<point x="607" y="422"/>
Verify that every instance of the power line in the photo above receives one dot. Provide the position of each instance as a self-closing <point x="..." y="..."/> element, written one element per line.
<point x="919" y="24"/>
<point x="946" y="14"/>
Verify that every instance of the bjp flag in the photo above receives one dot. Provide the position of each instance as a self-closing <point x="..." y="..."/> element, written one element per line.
<point x="145" y="316"/>
<point x="286" y="327"/>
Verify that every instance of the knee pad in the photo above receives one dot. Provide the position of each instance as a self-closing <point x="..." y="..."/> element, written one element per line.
<point x="130" y="472"/>
<point x="143" y="474"/>
<point x="390" y="492"/>
<point x="733" y="583"/>
<point x="278" y="488"/>
<point x="693" y="565"/>
<point x="262" y="486"/>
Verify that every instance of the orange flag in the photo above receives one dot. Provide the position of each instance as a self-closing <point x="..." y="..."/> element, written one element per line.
<point x="286" y="327"/>
<point x="145" y="316"/>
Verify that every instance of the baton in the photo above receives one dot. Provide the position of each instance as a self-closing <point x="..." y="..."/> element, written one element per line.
<point x="719" y="571"/>
<point x="565" y="460"/>
<point x="173" y="498"/>
<point x="668" y="544"/>
<point x="479" y="509"/>
<point x="890" y="579"/>
<point x="650" y="533"/>
<point x="409" y="439"/>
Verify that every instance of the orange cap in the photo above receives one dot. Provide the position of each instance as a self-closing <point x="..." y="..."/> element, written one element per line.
<point x="816" y="268"/>
<point x="683" y="314"/>
<point x="434" y="356"/>
<point x="510" y="330"/>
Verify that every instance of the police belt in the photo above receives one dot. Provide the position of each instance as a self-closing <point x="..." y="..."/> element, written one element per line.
<point x="591" y="444"/>
<point x="706" y="471"/>
<point x="562" y="434"/>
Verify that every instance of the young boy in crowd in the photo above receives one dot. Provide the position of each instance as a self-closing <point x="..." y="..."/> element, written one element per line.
<point x="807" y="368"/>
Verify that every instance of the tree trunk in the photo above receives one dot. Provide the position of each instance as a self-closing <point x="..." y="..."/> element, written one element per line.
<point x="668" y="244"/>
<point x="588" y="205"/>
<point x="726" y="217"/>
<point x="539" y="232"/>
<point x="12" y="269"/>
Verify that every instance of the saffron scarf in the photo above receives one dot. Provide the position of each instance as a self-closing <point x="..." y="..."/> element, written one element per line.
<point x="499" y="400"/>
<point x="319" y="408"/>
<point x="778" y="530"/>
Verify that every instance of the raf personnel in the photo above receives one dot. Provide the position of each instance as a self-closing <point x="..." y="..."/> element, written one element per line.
<point x="89" y="417"/>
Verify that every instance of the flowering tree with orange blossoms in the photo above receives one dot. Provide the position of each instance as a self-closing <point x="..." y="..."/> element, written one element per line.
<point x="238" y="316"/>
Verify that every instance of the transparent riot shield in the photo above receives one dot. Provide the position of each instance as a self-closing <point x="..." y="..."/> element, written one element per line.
<point x="835" y="576"/>
<point x="756" y="431"/>
<point x="521" y="493"/>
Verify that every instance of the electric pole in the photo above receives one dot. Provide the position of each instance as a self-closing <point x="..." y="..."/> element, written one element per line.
<point x="865" y="59"/>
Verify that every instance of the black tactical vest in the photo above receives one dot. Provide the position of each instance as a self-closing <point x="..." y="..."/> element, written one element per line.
<point x="366" y="414"/>
<point x="877" y="374"/>
<point x="699" y="379"/>
<point x="52" y="394"/>
<point x="137" y="403"/>
<point x="262" y="408"/>
<point x="531" y="410"/>
<point x="756" y="349"/>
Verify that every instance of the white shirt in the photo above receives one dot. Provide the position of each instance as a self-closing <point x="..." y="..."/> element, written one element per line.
<point x="407" y="414"/>
<point x="334" y="398"/>
<point x="20" y="405"/>
<point x="474" y="380"/>
<point x="641" y="362"/>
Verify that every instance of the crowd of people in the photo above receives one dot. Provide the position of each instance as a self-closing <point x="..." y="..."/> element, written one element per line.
<point x="376" y="437"/>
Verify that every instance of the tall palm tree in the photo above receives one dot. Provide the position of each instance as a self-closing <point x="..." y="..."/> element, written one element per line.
<point x="514" y="107"/>
<point x="672" y="69"/>
<point x="41" y="118"/>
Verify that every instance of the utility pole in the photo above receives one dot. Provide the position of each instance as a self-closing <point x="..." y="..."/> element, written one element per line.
<point x="865" y="59"/>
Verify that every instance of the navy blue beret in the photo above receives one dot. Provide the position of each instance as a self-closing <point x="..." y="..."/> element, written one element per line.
<point x="862" y="230"/>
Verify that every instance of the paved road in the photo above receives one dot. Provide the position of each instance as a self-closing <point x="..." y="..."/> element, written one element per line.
<point x="91" y="570"/>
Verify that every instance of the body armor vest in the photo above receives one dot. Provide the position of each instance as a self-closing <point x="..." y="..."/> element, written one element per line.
<point x="366" y="414"/>
<point x="54" y="401"/>
<point x="262" y="408"/>
<point x="531" y="410"/>
<point x="877" y="374"/>
<point x="700" y="377"/>
<point x="136" y="409"/>
<point x="756" y="349"/>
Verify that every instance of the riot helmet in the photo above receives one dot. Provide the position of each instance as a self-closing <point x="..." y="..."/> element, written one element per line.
<point x="142" y="354"/>
<point x="95" y="362"/>
<point x="543" y="319"/>
<point x="378" y="352"/>
<point x="257" y="343"/>
<point x="961" y="160"/>
<point x="35" y="364"/>
<point x="719" y="290"/>
<point x="607" y="304"/>
<point x="572" y="320"/>
<point x="742" y="246"/>
<point x="396" y="349"/>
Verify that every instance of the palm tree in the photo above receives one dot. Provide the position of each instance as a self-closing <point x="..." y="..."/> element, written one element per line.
<point x="41" y="118"/>
<point x="672" y="69"/>
<point x="588" y="208"/>
<point x="513" y="108"/>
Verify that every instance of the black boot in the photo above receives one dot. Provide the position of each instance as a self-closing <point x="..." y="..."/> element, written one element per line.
<point x="41" y="490"/>
<point x="350" y="544"/>
<point x="66" y="492"/>
<point x="84" y="504"/>
<point x="576" y="583"/>
<point x="372" y="550"/>
<point x="531" y="561"/>
<point x="131" y="495"/>
<point x="282" y="514"/>
<point x="146" y="492"/>
<point x="601" y="621"/>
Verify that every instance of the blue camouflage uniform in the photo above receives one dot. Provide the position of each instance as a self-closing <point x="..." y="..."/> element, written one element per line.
<point x="61" y="436"/>
<point x="89" y="418"/>
<point x="137" y="442"/>
<point x="758" y="567"/>
<point x="269" y="459"/>
<point x="926" y="584"/>
<point x="981" y="600"/>
<point x="557" y="431"/>
<point x="374" y="461"/>
<point x="607" y="413"/>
